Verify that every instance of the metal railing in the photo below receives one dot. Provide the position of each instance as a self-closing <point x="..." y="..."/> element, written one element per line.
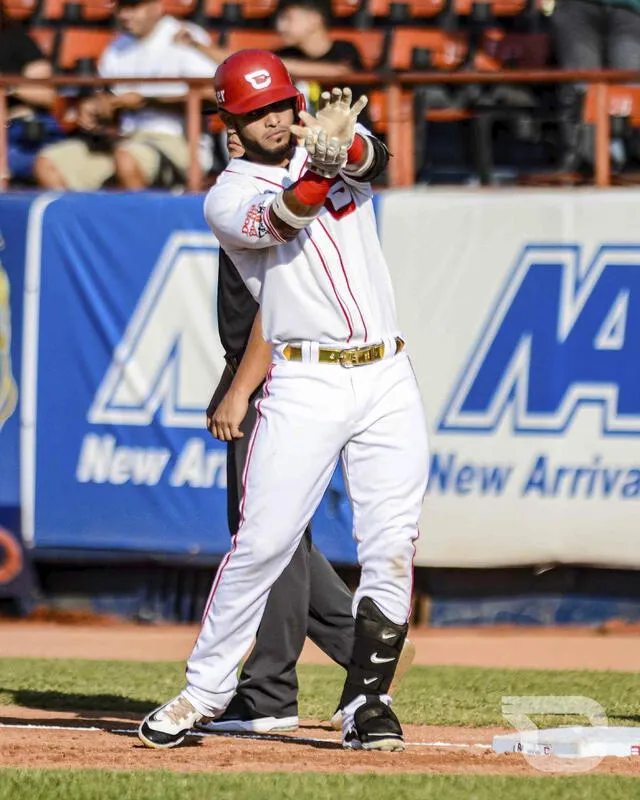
<point x="399" y="120"/>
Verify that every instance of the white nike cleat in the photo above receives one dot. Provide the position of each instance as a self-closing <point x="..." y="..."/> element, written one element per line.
<point x="407" y="655"/>
<point x="257" y="725"/>
<point x="167" y="725"/>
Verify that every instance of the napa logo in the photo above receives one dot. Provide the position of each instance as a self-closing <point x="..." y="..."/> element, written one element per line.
<point x="564" y="333"/>
<point x="8" y="388"/>
<point x="170" y="355"/>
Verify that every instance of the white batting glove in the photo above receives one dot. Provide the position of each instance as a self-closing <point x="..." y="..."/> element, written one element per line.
<point x="326" y="155"/>
<point x="336" y="116"/>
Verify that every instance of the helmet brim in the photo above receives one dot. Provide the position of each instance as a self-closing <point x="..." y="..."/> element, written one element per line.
<point x="261" y="100"/>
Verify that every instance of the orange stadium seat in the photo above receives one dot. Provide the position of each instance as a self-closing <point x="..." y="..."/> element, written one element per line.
<point x="239" y="39"/>
<point x="54" y="10"/>
<point x="98" y="10"/>
<point x="415" y="9"/>
<point x="257" y="9"/>
<point x="370" y="44"/>
<point x="496" y="8"/>
<point x="229" y="11"/>
<point x="179" y="8"/>
<point x="623" y="101"/>
<point x="445" y="51"/>
<point x="45" y="38"/>
<point x="345" y="8"/>
<point x="19" y="9"/>
<point x="81" y="43"/>
<point x="75" y="11"/>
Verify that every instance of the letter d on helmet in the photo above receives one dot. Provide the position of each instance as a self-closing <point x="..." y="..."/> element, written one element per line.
<point x="251" y="79"/>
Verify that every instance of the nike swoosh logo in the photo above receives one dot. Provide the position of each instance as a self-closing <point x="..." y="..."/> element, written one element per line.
<point x="367" y="681"/>
<point x="386" y="636"/>
<point x="375" y="659"/>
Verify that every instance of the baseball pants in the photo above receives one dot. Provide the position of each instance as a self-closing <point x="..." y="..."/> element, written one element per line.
<point x="308" y="599"/>
<point x="309" y="416"/>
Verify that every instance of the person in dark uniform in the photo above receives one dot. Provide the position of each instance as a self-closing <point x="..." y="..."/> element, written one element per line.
<point x="309" y="598"/>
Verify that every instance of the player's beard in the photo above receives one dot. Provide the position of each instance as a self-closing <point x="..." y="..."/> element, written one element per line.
<point x="264" y="156"/>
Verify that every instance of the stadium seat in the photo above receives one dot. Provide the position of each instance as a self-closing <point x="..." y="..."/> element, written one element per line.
<point x="78" y="44"/>
<point x="403" y="162"/>
<point x="258" y="9"/>
<point x="178" y="8"/>
<point x="501" y="49"/>
<point x="422" y="48"/>
<point x="45" y="38"/>
<point x="623" y="102"/>
<point x="239" y="39"/>
<point x="18" y="10"/>
<point x="489" y="8"/>
<point x="345" y="8"/>
<point x="412" y="9"/>
<point x="370" y="44"/>
<point x="77" y="11"/>
<point x="227" y="11"/>
<point x="56" y="10"/>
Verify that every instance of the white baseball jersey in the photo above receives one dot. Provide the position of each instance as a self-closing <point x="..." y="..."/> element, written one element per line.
<point x="331" y="283"/>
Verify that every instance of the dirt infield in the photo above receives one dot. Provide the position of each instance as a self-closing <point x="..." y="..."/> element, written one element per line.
<point x="90" y="739"/>
<point x="615" y="648"/>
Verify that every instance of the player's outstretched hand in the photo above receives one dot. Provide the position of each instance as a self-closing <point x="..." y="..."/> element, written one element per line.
<point x="336" y="117"/>
<point x="227" y="418"/>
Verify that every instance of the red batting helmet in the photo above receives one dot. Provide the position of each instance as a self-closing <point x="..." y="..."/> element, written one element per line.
<point x="252" y="79"/>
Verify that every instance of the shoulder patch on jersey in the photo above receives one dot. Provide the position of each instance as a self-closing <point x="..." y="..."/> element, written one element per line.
<point x="254" y="225"/>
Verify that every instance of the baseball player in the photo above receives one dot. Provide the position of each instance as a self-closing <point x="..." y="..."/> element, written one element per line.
<point x="308" y="598"/>
<point x="298" y="223"/>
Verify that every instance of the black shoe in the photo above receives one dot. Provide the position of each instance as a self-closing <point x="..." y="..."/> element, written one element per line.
<point x="368" y="723"/>
<point x="240" y="718"/>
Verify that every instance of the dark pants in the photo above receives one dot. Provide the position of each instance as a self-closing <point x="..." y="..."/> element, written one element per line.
<point x="591" y="35"/>
<point x="308" y="599"/>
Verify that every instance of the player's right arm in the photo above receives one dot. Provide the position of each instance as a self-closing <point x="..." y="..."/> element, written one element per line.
<point x="252" y="370"/>
<point x="242" y="218"/>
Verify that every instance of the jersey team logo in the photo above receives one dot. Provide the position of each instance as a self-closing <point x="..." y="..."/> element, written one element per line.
<point x="259" y="79"/>
<point x="565" y="333"/>
<point x="8" y="388"/>
<point x="170" y="355"/>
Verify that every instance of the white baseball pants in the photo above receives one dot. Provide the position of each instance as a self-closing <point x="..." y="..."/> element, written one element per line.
<point x="310" y="414"/>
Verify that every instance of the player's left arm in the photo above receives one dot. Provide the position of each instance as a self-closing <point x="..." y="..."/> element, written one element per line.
<point x="252" y="370"/>
<point x="366" y="158"/>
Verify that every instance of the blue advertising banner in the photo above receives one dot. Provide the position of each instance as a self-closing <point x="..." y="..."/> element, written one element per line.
<point x="127" y="357"/>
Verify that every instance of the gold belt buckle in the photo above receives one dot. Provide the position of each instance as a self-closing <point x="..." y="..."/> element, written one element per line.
<point x="357" y="356"/>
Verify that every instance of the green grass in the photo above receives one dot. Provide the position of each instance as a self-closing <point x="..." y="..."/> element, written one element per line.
<point x="93" y="785"/>
<point x="429" y="695"/>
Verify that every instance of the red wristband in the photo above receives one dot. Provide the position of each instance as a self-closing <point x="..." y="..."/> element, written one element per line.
<point x="357" y="150"/>
<point x="312" y="189"/>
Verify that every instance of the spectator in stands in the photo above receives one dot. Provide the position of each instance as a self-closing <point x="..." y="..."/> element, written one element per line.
<point x="309" y="53"/>
<point x="592" y="34"/>
<point x="135" y="133"/>
<point x="31" y="125"/>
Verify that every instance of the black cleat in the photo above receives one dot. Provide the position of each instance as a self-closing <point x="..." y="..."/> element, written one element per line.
<point x="368" y="723"/>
